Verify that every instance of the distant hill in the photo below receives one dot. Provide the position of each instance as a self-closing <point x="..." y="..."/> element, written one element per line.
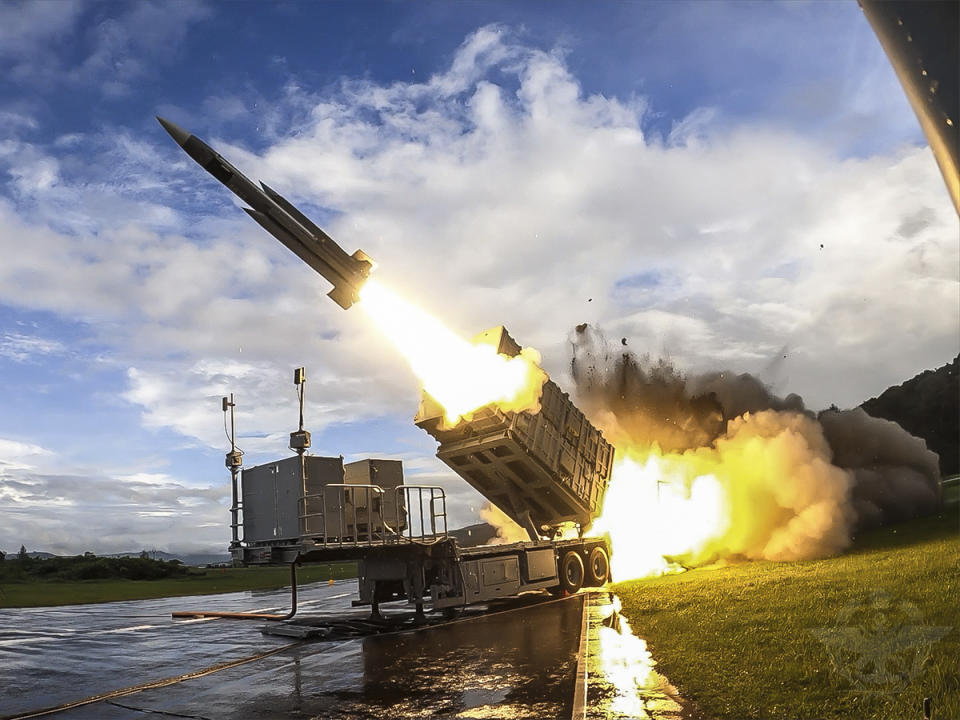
<point x="927" y="406"/>
<point x="472" y="535"/>
<point x="193" y="559"/>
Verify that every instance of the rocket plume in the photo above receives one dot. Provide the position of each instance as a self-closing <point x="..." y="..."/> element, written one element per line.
<point x="716" y="467"/>
<point x="462" y="376"/>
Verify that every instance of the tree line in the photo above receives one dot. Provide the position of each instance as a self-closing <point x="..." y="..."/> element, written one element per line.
<point x="88" y="567"/>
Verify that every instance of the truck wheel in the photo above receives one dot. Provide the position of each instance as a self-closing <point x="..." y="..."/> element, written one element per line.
<point x="598" y="567"/>
<point x="571" y="572"/>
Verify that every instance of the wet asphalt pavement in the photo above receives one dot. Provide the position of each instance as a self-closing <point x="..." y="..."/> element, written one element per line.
<point x="517" y="660"/>
<point x="515" y="663"/>
<point x="50" y="656"/>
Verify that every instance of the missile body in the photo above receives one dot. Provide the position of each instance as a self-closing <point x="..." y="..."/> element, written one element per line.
<point x="281" y="219"/>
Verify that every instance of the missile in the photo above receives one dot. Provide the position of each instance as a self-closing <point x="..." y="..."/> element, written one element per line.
<point x="280" y="218"/>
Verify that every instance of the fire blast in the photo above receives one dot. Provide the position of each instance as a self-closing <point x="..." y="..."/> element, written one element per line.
<point x="461" y="376"/>
<point x="716" y="467"/>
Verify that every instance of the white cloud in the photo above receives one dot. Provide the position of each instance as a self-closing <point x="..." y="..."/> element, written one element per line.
<point x="16" y="455"/>
<point x="73" y="513"/>
<point x="19" y="347"/>
<point x="189" y="401"/>
<point x="525" y="207"/>
<point x="536" y="201"/>
<point x="15" y="121"/>
<point x="496" y="192"/>
<point x="27" y="27"/>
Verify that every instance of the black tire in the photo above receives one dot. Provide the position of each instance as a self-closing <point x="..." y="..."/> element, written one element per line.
<point x="571" y="572"/>
<point x="598" y="567"/>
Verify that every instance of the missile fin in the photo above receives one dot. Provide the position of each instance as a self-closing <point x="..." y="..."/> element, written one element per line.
<point x="343" y="296"/>
<point x="361" y="257"/>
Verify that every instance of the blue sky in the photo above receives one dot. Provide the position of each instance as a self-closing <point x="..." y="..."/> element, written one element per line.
<point x="668" y="171"/>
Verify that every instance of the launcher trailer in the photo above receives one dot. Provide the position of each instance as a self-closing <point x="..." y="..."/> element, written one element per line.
<point x="546" y="469"/>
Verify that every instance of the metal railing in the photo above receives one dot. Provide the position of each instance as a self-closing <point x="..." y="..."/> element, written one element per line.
<point x="349" y="502"/>
<point x="354" y="516"/>
<point x="436" y="495"/>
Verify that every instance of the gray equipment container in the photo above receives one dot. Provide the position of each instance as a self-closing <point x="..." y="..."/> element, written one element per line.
<point x="363" y="505"/>
<point x="273" y="496"/>
<point x="541" y="468"/>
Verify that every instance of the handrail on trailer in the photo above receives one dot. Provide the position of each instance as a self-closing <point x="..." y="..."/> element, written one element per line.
<point x="402" y="530"/>
<point x="371" y="491"/>
<point x="436" y="493"/>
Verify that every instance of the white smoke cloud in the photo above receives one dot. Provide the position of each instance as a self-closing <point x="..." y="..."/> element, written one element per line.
<point x="507" y="531"/>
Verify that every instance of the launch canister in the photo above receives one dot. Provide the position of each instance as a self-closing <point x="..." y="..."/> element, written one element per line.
<point x="281" y="219"/>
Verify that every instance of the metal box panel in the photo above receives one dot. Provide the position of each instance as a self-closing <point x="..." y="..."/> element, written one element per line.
<point x="552" y="463"/>
<point x="386" y="474"/>
<point x="272" y="493"/>
<point x="499" y="571"/>
<point x="499" y="577"/>
<point x="540" y="564"/>
<point x="321" y="471"/>
<point x="259" y="503"/>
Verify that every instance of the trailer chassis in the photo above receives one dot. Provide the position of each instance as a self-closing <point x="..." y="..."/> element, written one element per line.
<point x="423" y="564"/>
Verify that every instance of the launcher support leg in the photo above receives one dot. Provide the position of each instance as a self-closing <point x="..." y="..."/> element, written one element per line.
<point x="529" y="526"/>
<point x="293" y="593"/>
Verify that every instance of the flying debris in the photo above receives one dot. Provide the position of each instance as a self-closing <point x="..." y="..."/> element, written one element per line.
<point x="281" y="219"/>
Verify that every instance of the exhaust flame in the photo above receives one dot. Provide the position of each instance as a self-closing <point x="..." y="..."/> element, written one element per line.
<point x="463" y="377"/>
<point x="654" y="510"/>
<point x="765" y="489"/>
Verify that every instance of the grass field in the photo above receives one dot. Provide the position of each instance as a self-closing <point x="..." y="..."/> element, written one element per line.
<point x="214" y="580"/>
<point x="754" y="640"/>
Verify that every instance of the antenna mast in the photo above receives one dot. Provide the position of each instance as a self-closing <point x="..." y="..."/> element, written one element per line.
<point x="234" y="462"/>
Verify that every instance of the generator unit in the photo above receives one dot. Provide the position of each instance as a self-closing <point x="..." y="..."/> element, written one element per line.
<point x="273" y="496"/>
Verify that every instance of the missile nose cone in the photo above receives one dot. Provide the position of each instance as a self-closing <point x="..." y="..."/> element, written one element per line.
<point x="176" y="132"/>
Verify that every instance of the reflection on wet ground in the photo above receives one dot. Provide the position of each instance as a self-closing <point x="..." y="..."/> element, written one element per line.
<point x="514" y="664"/>
<point x="621" y="682"/>
<point x="517" y="663"/>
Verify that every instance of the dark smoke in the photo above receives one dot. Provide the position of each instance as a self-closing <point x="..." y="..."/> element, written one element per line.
<point x="648" y="397"/>
<point x="649" y="403"/>
<point x="895" y="476"/>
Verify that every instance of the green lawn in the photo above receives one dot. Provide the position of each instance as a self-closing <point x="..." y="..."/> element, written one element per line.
<point x="744" y="641"/>
<point x="213" y="580"/>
